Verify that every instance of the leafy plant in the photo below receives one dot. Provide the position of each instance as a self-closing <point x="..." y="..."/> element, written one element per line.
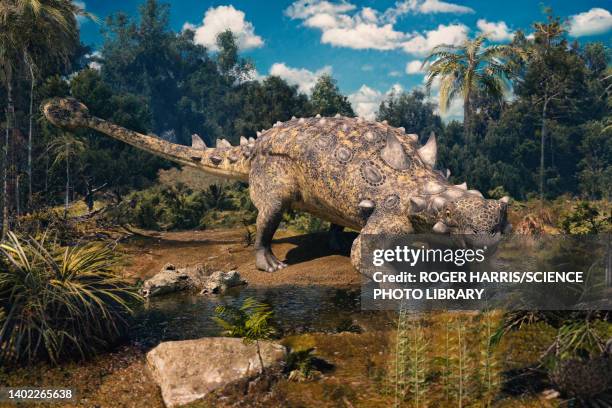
<point x="249" y="234"/>
<point x="300" y="364"/>
<point x="252" y="322"/>
<point x="488" y="367"/>
<point x="60" y="301"/>
<point x="584" y="218"/>
<point x="304" y="222"/>
<point x="411" y="362"/>
<point x="586" y="382"/>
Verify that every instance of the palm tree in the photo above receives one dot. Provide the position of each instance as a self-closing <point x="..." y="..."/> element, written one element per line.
<point x="469" y="68"/>
<point x="65" y="148"/>
<point x="35" y="32"/>
<point x="51" y="36"/>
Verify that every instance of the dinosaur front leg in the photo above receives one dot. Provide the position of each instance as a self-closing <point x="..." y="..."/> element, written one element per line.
<point x="267" y="221"/>
<point x="336" y="241"/>
<point x="272" y="191"/>
<point x="380" y="223"/>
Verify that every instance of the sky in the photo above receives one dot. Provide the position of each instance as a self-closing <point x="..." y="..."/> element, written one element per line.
<point x="371" y="47"/>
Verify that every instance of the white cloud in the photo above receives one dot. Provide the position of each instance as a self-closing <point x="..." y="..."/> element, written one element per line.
<point x="424" y="7"/>
<point x="343" y="25"/>
<point x="218" y="19"/>
<point x="436" y="6"/>
<point x="453" y="34"/>
<point x="592" y="22"/>
<point x="495" y="31"/>
<point x="364" y="36"/>
<point x="395" y="74"/>
<point x="414" y="67"/>
<point x="302" y="9"/>
<point x="365" y="100"/>
<point x="303" y="78"/>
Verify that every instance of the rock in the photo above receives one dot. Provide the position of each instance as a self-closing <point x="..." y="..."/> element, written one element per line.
<point x="219" y="282"/>
<point x="188" y="370"/>
<point x="171" y="279"/>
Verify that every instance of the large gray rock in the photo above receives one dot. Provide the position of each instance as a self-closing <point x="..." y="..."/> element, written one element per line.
<point x="188" y="370"/>
<point x="171" y="279"/>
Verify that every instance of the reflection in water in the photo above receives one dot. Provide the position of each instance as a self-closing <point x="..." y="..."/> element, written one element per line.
<point x="296" y="309"/>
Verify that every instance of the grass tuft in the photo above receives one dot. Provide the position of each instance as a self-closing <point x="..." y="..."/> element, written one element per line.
<point x="60" y="301"/>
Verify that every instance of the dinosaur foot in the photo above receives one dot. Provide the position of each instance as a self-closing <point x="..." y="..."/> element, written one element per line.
<point x="266" y="261"/>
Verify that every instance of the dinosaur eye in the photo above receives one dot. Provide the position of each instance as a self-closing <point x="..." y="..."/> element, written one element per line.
<point x="448" y="213"/>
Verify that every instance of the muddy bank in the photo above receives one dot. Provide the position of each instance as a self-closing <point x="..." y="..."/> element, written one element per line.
<point x="310" y="261"/>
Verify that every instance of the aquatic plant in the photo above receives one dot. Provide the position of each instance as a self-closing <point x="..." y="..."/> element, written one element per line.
<point x="488" y="364"/>
<point x="460" y="373"/>
<point x="411" y="362"/>
<point x="60" y="301"/>
<point x="252" y="322"/>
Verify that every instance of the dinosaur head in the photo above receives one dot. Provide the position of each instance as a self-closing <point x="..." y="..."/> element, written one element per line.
<point x="66" y="112"/>
<point x="482" y="221"/>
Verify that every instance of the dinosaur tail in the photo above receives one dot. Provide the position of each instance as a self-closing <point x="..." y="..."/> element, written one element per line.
<point x="225" y="160"/>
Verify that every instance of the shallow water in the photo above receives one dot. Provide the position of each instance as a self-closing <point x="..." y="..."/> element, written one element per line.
<point x="297" y="310"/>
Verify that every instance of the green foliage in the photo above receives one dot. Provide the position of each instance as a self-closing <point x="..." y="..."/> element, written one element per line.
<point x="327" y="100"/>
<point x="487" y="379"/>
<point x="585" y="218"/>
<point x="60" y="302"/>
<point x="304" y="222"/>
<point x="410" y="111"/>
<point x="177" y="206"/>
<point x="411" y="362"/>
<point x="465" y="70"/>
<point x="252" y="322"/>
<point x="596" y="163"/>
<point x="300" y="364"/>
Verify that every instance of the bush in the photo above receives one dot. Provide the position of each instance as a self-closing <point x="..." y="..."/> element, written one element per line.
<point x="60" y="302"/>
<point x="585" y="218"/>
<point x="51" y="219"/>
<point x="586" y="381"/>
<point x="304" y="222"/>
<point x="179" y="207"/>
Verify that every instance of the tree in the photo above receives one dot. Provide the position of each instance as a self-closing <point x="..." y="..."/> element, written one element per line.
<point x="327" y="100"/>
<point x="65" y="148"/>
<point x="556" y="84"/>
<point x="469" y="68"/>
<point x="264" y="103"/>
<point x="595" y="167"/>
<point x="50" y="35"/>
<point x="35" y="33"/>
<point x="251" y="322"/>
<point x="229" y="61"/>
<point x="410" y="111"/>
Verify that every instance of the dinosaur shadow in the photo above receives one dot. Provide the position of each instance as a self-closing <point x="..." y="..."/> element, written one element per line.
<point x="315" y="245"/>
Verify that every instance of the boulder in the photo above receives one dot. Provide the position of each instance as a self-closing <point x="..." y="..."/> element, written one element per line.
<point x="219" y="282"/>
<point x="172" y="279"/>
<point x="188" y="370"/>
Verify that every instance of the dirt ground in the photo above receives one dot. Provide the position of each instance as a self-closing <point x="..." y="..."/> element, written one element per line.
<point x="310" y="261"/>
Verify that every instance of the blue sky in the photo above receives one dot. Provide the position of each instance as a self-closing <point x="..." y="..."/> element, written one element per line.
<point x="370" y="47"/>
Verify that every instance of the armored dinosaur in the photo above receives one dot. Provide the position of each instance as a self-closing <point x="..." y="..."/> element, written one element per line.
<point x="355" y="173"/>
